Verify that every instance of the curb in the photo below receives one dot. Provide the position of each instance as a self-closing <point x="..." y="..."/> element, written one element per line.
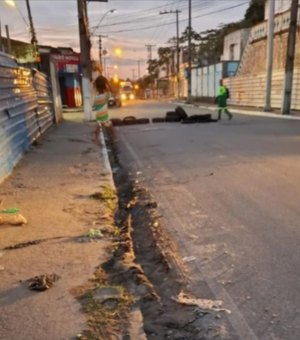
<point x="245" y="112"/>
<point x="136" y="321"/>
<point x="106" y="160"/>
<point x="256" y="113"/>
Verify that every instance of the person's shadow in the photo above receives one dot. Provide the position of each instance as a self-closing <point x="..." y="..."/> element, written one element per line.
<point x="10" y="296"/>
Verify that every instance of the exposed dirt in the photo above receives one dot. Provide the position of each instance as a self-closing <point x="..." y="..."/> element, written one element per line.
<point x="147" y="263"/>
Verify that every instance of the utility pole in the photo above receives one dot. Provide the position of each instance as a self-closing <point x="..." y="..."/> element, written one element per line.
<point x="290" y="56"/>
<point x="177" y="49"/>
<point x="268" y="106"/>
<point x="32" y="30"/>
<point x="1" y="42"/>
<point x="100" y="51"/>
<point x="189" y="96"/>
<point x="149" y="49"/>
<point x="8" y="39"/>
<point x="85" y="58"/>
<point x="139" y="69"/>
<point x="133" y="74"/>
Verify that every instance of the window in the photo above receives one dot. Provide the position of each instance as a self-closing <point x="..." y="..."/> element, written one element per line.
<point x="232" y="48"/>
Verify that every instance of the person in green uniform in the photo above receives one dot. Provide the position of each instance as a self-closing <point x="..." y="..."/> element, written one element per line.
<point x="222" y="96"/>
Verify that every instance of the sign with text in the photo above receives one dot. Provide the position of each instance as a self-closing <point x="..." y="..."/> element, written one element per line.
<point x="67" y="63"/>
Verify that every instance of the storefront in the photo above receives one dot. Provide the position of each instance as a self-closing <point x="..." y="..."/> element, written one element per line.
<point x="68" y="72"/>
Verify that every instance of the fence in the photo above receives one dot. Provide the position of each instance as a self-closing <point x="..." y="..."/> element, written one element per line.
<point x="25" y="111"/>
<point x="205" y="80"/>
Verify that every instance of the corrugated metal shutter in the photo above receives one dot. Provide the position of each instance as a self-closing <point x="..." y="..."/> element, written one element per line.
<point x="24" y="115"/>
<point x="45" y="114"/>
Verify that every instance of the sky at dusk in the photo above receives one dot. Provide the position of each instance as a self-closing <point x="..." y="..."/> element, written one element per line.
<point x="135" y="24"/>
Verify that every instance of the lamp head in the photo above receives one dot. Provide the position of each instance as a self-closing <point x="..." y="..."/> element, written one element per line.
<point x="10" y="3"/>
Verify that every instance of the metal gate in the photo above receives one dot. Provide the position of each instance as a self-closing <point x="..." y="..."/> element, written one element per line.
<point x="25" y="111"/>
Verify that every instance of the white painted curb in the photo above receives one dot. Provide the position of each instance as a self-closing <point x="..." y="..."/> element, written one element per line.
<point x="106" y="160"/>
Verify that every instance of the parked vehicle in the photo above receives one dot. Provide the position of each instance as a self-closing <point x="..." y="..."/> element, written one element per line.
<point x="114" y="101"/>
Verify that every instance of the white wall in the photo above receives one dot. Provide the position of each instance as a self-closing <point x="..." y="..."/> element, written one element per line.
<point x="250" y="90"/>
<point x="239" y="40"/>
<point x="280" y="6"/>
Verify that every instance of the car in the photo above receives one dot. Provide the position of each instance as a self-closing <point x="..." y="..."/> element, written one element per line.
<point x="114" y="101"/>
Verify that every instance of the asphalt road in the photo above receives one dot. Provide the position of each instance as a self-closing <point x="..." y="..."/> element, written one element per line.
<point x="230" y="194"/>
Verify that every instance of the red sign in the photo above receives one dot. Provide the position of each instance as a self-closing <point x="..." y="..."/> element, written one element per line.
<point x="67" y="63"/>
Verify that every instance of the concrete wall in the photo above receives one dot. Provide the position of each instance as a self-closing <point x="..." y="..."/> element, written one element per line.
<point x="254" y="58"/>
<point x="239" y="40"/>
<point x="280" y="6"/>
<point x="249" y="90"/>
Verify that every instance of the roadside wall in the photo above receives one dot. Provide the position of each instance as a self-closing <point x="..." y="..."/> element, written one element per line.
<point x="249" y="90"/>
<point x="205" y="80"/>
<point x="248" y="87"/>
<point x="25" y="111"/>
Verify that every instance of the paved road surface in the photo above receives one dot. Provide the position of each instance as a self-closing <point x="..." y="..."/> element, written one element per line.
<point x="230" y="193"/>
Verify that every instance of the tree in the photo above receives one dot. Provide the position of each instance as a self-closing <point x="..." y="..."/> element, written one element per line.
<point x="153" y="67"/>
<point x="255" y="13"/>
<point x="166" y="55"/>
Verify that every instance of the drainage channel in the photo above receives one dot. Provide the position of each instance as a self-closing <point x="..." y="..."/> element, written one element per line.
<point x="146" y="261"/>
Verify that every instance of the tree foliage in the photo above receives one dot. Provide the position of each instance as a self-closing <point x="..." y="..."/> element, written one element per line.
<point x="207" y="46"/>
<point x="255" y="13"/>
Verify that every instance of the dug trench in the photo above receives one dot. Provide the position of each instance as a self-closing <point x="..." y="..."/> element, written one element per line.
<point x="146" y="261"/>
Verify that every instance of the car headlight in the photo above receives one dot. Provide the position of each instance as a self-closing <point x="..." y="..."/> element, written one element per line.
<point x="123" y="96"/>
<point x="131" y="96"/>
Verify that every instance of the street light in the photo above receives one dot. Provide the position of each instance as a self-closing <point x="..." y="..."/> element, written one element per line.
<point x="118" y="52"/>
<point x="104" y="15"/>
<point x="10" y="3"/>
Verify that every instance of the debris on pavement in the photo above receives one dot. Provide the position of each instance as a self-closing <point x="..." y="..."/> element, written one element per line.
<point x="31" y="243"/>
<point x="188" y="259"/>
<point x="1" y="268"/>
<point x="151" y="205"/>
<point x="10" y="211"/>
<point x="203" y="304"/>
<point x="12" y="219"/>
<point x="103" y="294"/>
<point x="94" y="234"/>
<point x="42" y="282"/>
<point x="23" y="244"/>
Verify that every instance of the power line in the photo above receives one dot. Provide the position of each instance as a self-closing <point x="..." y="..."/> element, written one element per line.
<point x="195" y="17"/>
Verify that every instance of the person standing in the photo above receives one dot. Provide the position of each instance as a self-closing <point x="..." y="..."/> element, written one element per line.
<point x="102" y="90"/>
<point x="223" y="95"/>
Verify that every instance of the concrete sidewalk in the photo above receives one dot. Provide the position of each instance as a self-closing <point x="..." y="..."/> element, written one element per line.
<point x="54" y="187"/>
